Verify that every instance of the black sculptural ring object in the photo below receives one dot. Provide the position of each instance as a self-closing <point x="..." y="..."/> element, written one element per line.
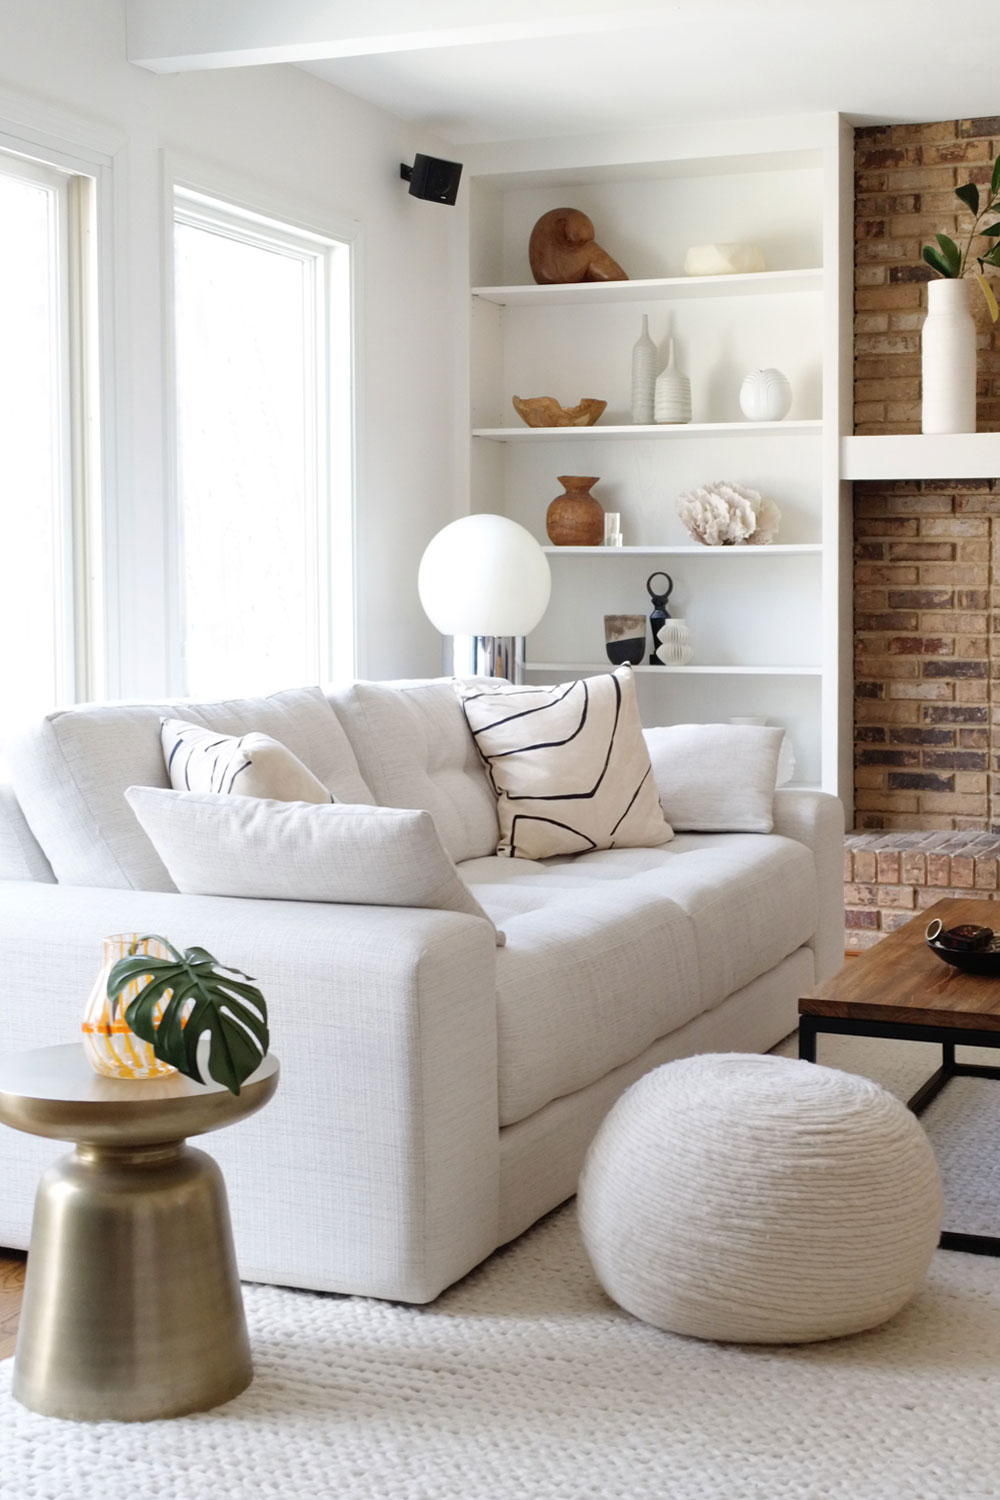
<point x="659" y="613"/>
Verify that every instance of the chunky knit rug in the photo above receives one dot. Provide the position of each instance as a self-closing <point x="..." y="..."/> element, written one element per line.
<point x="524" y="1381"/>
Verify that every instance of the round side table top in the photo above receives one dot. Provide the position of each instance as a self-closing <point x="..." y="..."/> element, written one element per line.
<point x="54" y="1091"/>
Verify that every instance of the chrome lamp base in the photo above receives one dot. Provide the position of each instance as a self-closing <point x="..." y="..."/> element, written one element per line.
<point x="488" y="656"/>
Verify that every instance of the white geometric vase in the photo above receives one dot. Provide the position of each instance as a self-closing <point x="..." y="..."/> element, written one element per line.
<point x="948" y="358"/>
<point x="765" y="396"/>
<point x="674" y="649"/>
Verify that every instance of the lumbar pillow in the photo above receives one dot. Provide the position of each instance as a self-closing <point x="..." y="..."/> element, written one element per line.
<point x="568" y="765"/>
<point x="716" y="778"/>
<point x="261" y="848"/>
<point x="253" y="765"/>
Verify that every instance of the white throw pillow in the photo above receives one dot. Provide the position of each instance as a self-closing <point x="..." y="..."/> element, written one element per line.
<point x="716" y="778"/>
<point x="251" y="765"/>
<point x="220" y="845"/>
<point x="568" y="765"/>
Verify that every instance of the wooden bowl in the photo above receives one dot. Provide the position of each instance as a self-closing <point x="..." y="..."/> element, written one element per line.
<point x="545" y="411"/>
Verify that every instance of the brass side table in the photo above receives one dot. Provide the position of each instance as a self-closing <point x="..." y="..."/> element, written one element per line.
<point x="132" y="1307"/>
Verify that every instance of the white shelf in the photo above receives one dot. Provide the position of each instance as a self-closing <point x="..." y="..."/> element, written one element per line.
<point x="952" y="455"/>
<point x="690" y="670"/>
<point x="798" y="428"/>
<point x="569" y="294"/>
<point x="693" y="549"/>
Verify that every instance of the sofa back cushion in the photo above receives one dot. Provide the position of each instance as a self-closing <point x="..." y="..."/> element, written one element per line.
<point x="70" y="773"/>
<point x="415" y="750"/>
<point x="216" y="844"/>
<point x="21" y="856"/>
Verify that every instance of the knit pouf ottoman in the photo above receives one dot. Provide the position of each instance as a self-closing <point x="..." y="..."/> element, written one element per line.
<point x="760" y="1200"/>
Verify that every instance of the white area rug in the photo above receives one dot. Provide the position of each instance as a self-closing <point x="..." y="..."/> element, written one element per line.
<point x="524" y="1382"/>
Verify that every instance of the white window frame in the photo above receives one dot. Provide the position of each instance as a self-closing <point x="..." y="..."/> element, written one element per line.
<point x="201" y="196"/>
<point x="38" y="141"/>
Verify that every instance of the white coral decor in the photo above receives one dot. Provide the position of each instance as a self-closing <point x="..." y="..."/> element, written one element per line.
<point x="722" y="514"/>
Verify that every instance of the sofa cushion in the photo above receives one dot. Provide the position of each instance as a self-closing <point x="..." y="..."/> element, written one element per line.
<point x="609" y="951"/>
<point x="21" y="856"/>
<point x="71" y="770"/>
<point x="219" y="844"/>
<point x="568" y="764"/>
<point x="251" y="765"/>
<point x="415" y="750"/>
<point x="716" y="778"/>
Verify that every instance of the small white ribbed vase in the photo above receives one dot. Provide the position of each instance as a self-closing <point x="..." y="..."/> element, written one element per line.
<point x="674" y="648"/>
<point x="673" y="393"/>
<point x="948" y="358"/>
<point x="643" y="376"/>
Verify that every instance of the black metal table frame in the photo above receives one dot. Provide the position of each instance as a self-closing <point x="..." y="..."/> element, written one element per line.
<point x="949" y="1038"/>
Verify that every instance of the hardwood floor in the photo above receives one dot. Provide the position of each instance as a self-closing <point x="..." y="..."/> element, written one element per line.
<point x="12" y="1263"/>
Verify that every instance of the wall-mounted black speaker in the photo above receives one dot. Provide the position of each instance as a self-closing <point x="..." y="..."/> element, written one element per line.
<point x="432" y="178"/>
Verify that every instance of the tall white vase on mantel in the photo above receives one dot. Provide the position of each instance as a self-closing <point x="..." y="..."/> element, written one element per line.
<point x="948" y="358"/>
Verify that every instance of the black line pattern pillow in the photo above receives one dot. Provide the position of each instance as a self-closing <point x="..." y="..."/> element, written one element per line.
<point x="251" y="765"/>
<point x="568" y="764"/>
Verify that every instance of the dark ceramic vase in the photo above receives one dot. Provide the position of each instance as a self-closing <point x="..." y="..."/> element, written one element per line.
<point x="625" y="639"/>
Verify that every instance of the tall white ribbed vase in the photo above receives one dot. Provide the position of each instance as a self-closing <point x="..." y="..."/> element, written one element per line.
<point x="948" y="358"/>
<point x="643" y="376"/>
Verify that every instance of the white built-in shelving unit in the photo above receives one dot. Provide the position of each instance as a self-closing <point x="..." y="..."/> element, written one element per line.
<point x="771" y="630"/>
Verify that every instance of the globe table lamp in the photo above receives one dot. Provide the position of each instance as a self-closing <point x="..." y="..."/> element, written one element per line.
<point x="485" y="581"/>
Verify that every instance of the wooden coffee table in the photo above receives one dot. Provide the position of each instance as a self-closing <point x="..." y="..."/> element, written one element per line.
<point x="900" y="989"/>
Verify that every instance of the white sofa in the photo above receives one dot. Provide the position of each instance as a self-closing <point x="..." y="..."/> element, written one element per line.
<point x="438" y="1092"/>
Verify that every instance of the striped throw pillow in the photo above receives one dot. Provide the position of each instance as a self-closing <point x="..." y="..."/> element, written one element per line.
<point x="249" y="765"/>
<point x="568" y="764"/>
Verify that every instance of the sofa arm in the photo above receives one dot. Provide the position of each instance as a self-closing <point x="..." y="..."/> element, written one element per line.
<point x="375" y="1168"/>
<point x="817" y="820"/>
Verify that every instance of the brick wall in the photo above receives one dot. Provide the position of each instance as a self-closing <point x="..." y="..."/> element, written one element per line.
<point x="927" y="554"/>
<point x="905" y="183"/>
<point x="927" y="643"/>
<point x="889" y="878"/>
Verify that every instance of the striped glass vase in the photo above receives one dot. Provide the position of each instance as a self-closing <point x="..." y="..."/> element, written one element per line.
<point x="112" y="1048"/>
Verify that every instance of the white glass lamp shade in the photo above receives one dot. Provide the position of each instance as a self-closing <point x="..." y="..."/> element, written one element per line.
<point x="484" y="576"/>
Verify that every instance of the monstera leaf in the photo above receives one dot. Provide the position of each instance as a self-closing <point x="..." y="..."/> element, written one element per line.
<point x="205" y="996"/>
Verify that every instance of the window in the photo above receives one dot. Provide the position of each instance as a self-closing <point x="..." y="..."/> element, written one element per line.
<point x="262" y="350"/>
<point x="48" y="458"/>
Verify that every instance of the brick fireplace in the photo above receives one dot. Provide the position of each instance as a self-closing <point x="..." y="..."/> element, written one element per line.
<point x="927" y="559"/>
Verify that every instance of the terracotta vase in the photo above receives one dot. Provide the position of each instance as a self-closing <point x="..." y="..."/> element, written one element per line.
<point x="575" y="518"/>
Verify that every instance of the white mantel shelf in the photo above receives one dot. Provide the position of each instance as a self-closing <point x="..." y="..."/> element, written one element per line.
<point x="953" y="455"/>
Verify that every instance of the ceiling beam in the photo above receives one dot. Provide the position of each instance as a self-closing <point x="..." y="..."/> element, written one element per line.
<point x="192" y="35"/>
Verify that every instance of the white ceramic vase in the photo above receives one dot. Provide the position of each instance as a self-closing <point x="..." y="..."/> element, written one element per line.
<point x="643" y="376"/>
<point x="674" y="649"/>
<point x="765" y="396"/>
<point x="673" y="393"/>
<point x="948" y="358"/>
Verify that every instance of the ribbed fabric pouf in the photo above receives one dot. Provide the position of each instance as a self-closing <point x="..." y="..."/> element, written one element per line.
<point x="760" y="1200"/>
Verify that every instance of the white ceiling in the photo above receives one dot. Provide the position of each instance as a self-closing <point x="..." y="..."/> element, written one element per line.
<point x="876" y="60"/>
<point x="527" y="68"/>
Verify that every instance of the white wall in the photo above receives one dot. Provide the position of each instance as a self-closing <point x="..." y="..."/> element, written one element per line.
<point x="303" y="142"/>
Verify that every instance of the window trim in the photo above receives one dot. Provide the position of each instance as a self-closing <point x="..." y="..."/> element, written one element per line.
<point x="260" y="210"/>
<point x="79" y="668"/>
<point x="55" y="138"/>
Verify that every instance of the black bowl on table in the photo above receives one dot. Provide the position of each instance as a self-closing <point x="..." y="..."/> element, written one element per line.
<point x="972" y="949"/>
